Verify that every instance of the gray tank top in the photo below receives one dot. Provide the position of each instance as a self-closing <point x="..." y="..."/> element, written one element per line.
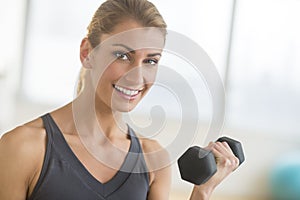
<point x="64" y="177"/>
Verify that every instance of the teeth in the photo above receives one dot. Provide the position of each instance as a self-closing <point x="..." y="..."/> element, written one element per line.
<point x="126" y="91"/>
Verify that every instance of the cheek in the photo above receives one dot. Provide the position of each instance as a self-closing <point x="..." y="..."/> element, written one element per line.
<point x="112" y="73"/>
<point x="149" y="75"/>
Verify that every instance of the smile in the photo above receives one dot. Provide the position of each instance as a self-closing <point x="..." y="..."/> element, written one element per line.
<point x="126" y="91"/>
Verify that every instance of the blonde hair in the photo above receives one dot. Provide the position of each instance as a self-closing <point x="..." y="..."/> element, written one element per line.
<point x="113" y="12"/>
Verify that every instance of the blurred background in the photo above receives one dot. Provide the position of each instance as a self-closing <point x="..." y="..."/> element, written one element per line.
<point x="255" y="45"/>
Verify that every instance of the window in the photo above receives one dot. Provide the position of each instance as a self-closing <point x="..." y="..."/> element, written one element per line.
<point x="264" y="84"/>
<point x="51" y="65"/>
<point x="11" y="39"/>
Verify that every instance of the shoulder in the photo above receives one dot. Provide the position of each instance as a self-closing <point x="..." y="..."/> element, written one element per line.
<point x="150" y="145"/>
<point x="25" y="141"/>
<point x="158" y="162"/>
<point x="156" y="156"/>
<point x="22" y="147"/>
<point x="25" y="136"/>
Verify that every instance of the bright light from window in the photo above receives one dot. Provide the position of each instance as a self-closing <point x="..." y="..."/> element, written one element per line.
<point x="264" y="80"/>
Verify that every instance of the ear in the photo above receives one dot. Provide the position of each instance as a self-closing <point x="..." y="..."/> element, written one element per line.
<point x="85" y="49"/>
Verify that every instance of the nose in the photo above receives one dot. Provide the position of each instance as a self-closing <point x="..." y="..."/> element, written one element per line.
<point x="135" y="75"/>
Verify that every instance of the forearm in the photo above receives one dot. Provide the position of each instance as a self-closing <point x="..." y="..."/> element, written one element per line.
<point x="201" y="193"/>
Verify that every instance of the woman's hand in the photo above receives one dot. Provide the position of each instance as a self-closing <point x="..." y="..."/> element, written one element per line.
<point x="227" y="162"/>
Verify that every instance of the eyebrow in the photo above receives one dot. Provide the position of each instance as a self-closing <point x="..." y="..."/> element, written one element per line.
<point x="132" y="51"/>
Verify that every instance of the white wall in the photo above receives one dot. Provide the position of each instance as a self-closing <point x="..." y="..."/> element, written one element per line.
<point x="12" y="15"/>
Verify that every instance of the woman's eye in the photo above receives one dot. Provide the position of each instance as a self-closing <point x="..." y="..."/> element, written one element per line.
<point x="152" y="62"/>
<point x="121" y="55"/>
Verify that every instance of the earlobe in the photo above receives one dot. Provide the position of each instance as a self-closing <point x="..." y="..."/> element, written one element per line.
<point x="86" y="63"/>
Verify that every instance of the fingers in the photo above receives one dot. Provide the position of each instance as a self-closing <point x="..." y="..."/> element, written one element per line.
<point x="223" y="155"/>
<point x="226" y="162"/>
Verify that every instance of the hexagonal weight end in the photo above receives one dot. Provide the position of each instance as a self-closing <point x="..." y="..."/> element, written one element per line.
<point x="197" y="165"/>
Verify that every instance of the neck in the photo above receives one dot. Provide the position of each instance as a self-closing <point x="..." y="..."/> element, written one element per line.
<point x="91" y="116"/>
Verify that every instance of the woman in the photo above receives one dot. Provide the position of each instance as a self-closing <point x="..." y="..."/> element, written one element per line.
<point x="65" y="155"/>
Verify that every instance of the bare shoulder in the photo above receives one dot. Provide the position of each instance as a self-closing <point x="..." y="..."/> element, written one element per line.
<point x="31" y="133"/>
<point x="158" y="163"/>
<point x="157" y="157"/>
<point x="25" y="142"/>
<point x="150" y="145"/>
<point x="23" y="147"/>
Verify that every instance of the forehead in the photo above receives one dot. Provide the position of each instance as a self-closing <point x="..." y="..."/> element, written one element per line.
<point x="132" y="35"/>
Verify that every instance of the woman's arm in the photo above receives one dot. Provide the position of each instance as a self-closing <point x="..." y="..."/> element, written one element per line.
<point x="226" y="163"/>
<point x="159" y="166"/>
<point x="161" y="185"/>
<point x="19" y="156"/>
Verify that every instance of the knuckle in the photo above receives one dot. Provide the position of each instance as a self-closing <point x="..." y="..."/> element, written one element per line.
<point x="236" y="162"/>
<point x="226" y="162"/>
<point x="230" y="162"/>
<point x="225" y="143"/>
<point x="218" y="143"/>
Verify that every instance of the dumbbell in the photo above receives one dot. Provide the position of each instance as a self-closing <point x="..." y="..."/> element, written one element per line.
<point x="198" y="165"/>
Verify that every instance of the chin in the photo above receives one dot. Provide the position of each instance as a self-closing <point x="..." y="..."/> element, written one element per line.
<point x="123" y="106"/>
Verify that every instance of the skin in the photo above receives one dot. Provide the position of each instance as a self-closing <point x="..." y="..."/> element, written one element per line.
<point x="22" y="149"/>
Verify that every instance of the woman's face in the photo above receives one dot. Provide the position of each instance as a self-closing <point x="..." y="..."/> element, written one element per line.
<point x="131" y="69"/>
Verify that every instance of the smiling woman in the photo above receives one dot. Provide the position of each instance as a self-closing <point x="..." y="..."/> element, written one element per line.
<point x="84" y="150"/>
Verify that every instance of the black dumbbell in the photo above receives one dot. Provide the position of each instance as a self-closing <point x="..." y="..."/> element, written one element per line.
<point x="198" y="165"/>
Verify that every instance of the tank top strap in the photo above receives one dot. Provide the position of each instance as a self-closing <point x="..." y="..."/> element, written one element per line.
<point x="48" y="127"/>
<point x="49" y="142"/>
<point x="136" y="147"/>
<point x="137" y="154"/>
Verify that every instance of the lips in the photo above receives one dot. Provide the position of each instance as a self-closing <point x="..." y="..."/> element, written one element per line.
<point x="126" y="92"/>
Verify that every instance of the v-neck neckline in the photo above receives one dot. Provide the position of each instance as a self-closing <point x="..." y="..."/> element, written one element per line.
<point x="104" y="189"/>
